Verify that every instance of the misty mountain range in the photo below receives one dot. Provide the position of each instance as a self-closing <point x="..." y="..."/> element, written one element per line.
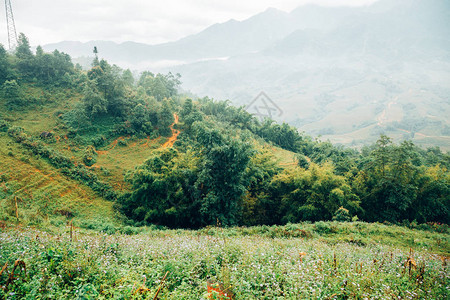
<point x="344" y="73"/>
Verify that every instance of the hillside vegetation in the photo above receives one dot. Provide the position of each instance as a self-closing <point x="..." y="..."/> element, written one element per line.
<point x="103" y="178"/>
<point x="345" y="73"/>
<point x="100" y="144"/>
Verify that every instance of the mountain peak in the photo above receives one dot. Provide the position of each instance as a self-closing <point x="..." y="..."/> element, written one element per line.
<point x="273" y="10"/>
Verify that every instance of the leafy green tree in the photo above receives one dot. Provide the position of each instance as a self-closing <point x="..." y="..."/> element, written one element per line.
<point x="12" y="94"/>
<point x="5" y="71"/>
<point x="94" y="102"/>
<point x="195" y="116"/>
<point x="432" y="203"/>
<point x="165" y="119"/>
<point x="39" y="51"/>
<point x="140" y="119"/>
<point x="187" y="109"/>
<point x="62" y="67"/>
<point x="128" y="78"/>
<point x="313" y="194"/>
<point x="434" y="156"/>
<point x="283" y="135"/>
<point x="221" y="179"/>
<point x="23" y="49"/>
<point x="25" y="63"/>
<point x="163" y="190"/>
<point x="95" y="73"/>
<point x="194" y="188"/>
<point x="160" y="86"/>
<point x="258" y="207"/>
<point x="342" y="215"/>
<point x="77" y="118"/>
<point x="190" y="114"/>
<point x="108" y="81"/>
<point x="302" y="161"/>
<point x="44" y="67"/>
<point x="343" y="159"/>
<point x="90" y="156"/>
<point x="388" y="181"/>
<point x="382" y="154"/>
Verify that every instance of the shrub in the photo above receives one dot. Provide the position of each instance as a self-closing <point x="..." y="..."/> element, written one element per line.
<point x="342" y="215"/>
<point x="324" y="227"/>
<point x="13" y="131"/>
<point x="12" y="93"/>
<point x="130" y="230"/>
<point x="302" y="161"/>
<point x="90" y="156"/>
<point x="98" y="141"/>
<point x="4" y="125"/>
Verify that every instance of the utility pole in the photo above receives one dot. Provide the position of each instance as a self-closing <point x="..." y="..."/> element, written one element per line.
<point x="12" y="34"/>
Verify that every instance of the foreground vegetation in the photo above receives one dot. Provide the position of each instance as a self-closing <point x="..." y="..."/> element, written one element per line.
<point x="325" y="260"/>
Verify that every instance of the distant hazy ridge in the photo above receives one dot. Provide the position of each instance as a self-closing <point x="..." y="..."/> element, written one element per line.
<point x="347" y="74"/>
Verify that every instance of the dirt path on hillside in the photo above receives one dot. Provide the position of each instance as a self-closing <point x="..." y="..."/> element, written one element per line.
<point x="168" y="143"/>
<point x="382" y="118"/>
<point x="175" y="134"/>
<point x="112" y="145"/>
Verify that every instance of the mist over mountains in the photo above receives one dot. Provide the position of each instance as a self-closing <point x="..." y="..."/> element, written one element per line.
<point x="343" y="73"/>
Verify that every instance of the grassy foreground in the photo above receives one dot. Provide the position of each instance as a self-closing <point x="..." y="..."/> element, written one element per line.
<point x="325" y="260"/>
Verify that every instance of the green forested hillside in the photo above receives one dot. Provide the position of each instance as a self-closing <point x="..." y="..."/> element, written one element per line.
<point x="103" y="146"/>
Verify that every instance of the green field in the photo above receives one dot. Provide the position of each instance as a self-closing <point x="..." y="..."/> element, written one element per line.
<point x="325" y="260"/>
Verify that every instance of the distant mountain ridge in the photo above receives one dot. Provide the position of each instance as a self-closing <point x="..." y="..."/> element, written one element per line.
<point x="324" y="63"/>
<point x="272" y="26"/>
<point x="218" y="40"/>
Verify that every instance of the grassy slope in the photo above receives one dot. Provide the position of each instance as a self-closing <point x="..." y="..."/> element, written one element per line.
<point x="285" y="158"/>
<point x="42" y="191"/>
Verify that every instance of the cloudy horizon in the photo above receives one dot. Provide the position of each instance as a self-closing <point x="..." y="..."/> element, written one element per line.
<point x="51" y="21"/>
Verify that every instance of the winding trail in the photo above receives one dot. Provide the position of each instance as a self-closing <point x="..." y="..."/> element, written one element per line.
<point x="169" y="143"/>
<point x="114" y="144"/>
<point x="175" y="133"/>
<point x="382" y="118"/>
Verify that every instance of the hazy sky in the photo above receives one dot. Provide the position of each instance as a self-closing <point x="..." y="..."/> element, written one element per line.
<point x="146" y="21"/>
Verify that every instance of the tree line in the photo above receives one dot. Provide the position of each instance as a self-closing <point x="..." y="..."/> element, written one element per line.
<point x="216" y="174"/>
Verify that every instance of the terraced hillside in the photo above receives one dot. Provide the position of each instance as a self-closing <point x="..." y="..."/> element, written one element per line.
<point x="41" y="191"/>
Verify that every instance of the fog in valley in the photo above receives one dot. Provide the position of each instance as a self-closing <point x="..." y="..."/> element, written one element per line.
<point x="342" y="73"/>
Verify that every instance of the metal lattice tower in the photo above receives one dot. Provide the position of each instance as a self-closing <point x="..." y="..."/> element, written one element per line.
<point x="12" y="34"/>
